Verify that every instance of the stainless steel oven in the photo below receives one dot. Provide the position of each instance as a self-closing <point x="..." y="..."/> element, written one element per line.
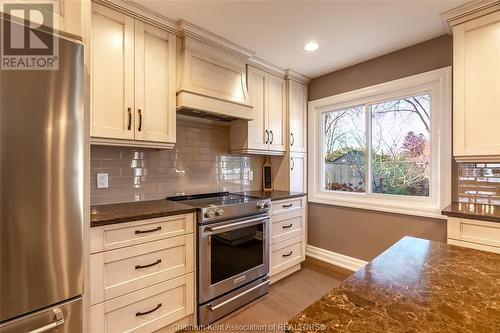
<point x="231" y="254"/>
<point x="233" y="251"/>
<point x="234" y="264"/>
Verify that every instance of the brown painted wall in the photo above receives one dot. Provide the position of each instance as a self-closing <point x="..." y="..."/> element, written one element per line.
<point x="429" y="55"/>
<point x="364" y="234"/>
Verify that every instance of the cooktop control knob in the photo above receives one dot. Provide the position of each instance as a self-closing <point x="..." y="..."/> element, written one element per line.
<point x="219" y="212"/>
<point x="267" y="204"/>
<point x="260" y="205"/>
<point x="209" y="214"/>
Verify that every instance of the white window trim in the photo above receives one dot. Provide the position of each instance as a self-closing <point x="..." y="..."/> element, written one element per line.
<point x="438" y="83"/>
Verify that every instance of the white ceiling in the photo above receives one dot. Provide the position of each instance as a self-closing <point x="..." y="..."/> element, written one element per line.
<point x="348" y="32"/>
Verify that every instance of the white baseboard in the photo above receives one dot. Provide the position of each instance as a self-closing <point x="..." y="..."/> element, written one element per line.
<point x="334" y="258"/>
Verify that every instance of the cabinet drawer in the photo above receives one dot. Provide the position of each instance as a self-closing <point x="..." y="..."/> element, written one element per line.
<point x="146" y="310"/>
<point x="287" y="254"/>
<point x="473" y="231"/>
<point x="115" y="273"/>
<point x="126" y="234"/>
<point x="284" y="206"/>
<point x="287" y="226"/>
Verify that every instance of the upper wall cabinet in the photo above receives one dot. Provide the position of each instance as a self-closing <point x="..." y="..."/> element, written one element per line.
<point x="212" y="75"/>
<point x="266" y="134"/>
<point x="476" y="87"/>
<point x="67" y="13"/>
<point x="297" y="108"/>
<point x="133" y="81"/>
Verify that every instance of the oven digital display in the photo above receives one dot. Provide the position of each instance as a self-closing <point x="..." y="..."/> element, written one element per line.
<point x="236" y="251"/>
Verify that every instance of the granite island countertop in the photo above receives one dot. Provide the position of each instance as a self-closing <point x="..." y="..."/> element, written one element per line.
<point x="274" y="195"/>
<point x="133" y="211"/>
<point x="473" y="211"/>
<point x="415" y="286"/>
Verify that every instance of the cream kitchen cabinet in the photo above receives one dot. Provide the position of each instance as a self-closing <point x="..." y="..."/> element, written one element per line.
<point x="475" y="234"/>
<point x="67" y="14"/>
<point x="297" y="113"/>
<point x="298" y="172"/>
<point x="133" y="66"/>
<point x="142" y="275"/>
<point x="266" y="133"/>
<point x="476" y="87"/>
<point x="288" y="237"/>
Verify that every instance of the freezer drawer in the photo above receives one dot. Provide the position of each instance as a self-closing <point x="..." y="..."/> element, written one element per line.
<point x="63" y="318"/>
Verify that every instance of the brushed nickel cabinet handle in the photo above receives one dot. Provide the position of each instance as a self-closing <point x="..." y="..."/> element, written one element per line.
<point x="287" y="255"/>
<point x="140" y="120"/>
<point x="129" y="126"/>
<point x="147" y="231"/>
<point x="149" y="265"/>
<point x="293" y="163"/>
<point x="293" y="139"/>
<point x="137" y="314"/>
<point x="287" y="226"/>
<point x="267" y="137"/>
<point x="287" y="206"/>
<point x="272" y="137"/>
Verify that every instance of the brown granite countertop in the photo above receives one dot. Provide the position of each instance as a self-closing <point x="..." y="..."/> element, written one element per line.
<point x="274" y="195"/>
<point x="414" y="286"/>
<point x="473" y="211"/>
<point x="132" y="211"/>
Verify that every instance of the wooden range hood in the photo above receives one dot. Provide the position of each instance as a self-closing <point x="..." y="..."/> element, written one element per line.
<point x="211" y="74"/>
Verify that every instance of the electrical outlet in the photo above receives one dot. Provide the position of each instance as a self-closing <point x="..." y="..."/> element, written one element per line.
<point x="250" y="175"/>
<point x="102" y="180"/>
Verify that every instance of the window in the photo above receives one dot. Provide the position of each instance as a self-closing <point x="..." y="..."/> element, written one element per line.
<point x="386" y="147"/>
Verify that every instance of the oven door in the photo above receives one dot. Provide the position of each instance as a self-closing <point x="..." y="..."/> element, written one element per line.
<point x="231" y="254"/>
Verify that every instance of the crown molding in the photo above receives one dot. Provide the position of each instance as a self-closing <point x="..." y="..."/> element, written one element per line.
<point x="139" y="12"/>
<point x="266" y="66"/>
<point x="468" y="11"/>
<point x="296" y="76"/>
<point x="187" y="29"/>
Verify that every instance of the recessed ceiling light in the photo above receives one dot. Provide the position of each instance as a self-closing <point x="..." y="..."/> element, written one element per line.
<point x="311" y="46"/>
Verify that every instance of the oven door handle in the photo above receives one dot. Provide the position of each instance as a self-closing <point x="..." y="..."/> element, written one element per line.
<point x="215" y="307"/>
<point x="236" y="224"/>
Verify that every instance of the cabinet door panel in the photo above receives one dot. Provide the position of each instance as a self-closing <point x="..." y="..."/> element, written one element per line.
<point x="276" y="112"/>
<point x="112" y="73"/>
<point x="154" y="84"/>
<point x="297" y="97"/>
<point x="257" y="128"/>
<point x="298" y="172"/>
<point x="477" y="86"/>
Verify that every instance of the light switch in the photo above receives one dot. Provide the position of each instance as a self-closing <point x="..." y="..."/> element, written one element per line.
<point x="102" y="180"/>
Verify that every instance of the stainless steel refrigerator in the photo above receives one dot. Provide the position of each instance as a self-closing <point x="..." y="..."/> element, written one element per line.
<point x="41" y="196"/>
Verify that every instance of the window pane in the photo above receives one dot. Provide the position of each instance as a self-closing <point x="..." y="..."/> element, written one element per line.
<point x="344" y="149"/>
<point x="401" y="146"/>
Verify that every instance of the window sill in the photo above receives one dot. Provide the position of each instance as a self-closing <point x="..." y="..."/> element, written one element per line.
<point x="380" y="206"/>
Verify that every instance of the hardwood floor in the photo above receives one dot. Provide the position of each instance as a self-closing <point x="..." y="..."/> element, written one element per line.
<point x="285" y="299"/>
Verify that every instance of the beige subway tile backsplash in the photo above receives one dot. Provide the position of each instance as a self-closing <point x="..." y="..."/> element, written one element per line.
<point x="200" y="162"/>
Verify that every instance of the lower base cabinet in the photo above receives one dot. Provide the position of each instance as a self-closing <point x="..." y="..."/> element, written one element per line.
<point x="288" y="237"/>
<point x="142" y="276"/>
<point x="146" y="310"/>
<point x="475" y="234"/>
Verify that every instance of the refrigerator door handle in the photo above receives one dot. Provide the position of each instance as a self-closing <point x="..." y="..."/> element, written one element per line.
<point x="58" y="321"/>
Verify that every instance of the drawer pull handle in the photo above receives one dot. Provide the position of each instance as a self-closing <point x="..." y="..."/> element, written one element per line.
<point x="149" y="265"/>
<point x="287" y="226"/>
<point x="137" y="314"/>
<point x="146" y="231"/>
<point x="287" y="206"/>
<point x="287" y="255"/>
